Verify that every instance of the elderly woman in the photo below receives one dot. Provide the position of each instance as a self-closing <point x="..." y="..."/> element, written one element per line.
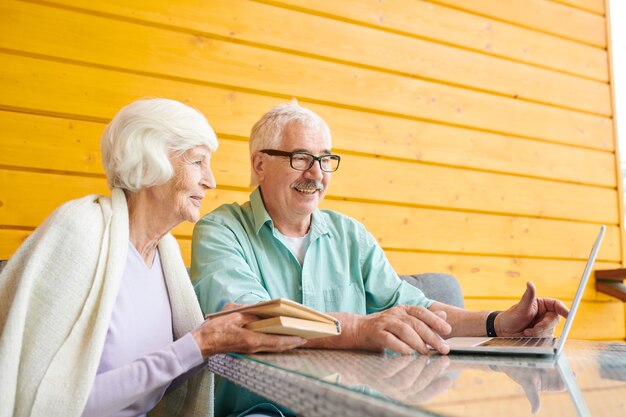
<point x="98" y="315"/>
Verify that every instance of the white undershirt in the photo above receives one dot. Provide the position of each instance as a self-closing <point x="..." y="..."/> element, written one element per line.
<point x="298" y="245"/>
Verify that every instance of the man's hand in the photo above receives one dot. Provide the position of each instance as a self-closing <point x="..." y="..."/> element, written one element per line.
<point x="403" y="329"/>
<point x="531" y="317"/>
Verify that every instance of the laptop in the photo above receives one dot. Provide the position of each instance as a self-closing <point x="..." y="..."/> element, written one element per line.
<point x="530" y="345"/>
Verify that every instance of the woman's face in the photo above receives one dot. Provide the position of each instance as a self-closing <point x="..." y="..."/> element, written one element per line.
<point x="181" y="196"/>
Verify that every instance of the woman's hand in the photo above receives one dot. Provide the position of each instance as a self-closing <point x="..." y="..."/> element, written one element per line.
<point x="227" y="334"/>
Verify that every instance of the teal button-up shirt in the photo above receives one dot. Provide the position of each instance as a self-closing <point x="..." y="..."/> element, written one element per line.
<point x="238" y="255"/>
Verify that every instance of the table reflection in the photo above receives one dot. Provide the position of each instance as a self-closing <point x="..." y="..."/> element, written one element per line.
<point x="474" y="384"/>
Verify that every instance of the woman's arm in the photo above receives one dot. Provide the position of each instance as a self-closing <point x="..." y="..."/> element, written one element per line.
<point x="119" y="388"/>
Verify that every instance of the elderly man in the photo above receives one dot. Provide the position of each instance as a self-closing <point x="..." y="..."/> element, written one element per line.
<point x="279" y="244"/>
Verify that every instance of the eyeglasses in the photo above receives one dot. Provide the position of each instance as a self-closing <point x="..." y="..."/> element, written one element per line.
<point x="303" y="161"/>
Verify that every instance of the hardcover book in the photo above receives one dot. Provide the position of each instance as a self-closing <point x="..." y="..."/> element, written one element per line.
<point x="286" y="317"/>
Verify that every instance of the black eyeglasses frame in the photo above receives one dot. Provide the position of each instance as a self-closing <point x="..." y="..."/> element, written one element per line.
<point x="276" y="152"/>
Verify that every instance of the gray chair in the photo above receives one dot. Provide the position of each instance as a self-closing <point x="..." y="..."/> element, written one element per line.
<point x="439" y="287"/>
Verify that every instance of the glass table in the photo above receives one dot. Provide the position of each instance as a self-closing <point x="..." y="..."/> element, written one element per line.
<point x="589" y="378"/>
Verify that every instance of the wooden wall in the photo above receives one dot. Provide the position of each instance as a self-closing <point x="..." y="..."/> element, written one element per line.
<point x="476" y="136"/>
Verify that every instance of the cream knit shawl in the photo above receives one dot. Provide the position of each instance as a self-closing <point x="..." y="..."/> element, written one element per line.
<point x="56" y="297"/>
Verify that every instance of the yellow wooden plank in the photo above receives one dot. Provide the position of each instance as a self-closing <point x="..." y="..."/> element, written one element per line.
<point x="32" y="196"/>
<point x="10" y="240"/>
<point x="420" y="19"/>
<point x="395" y="227"/>
<point x="402" y="138"/>
<point x="482" y="276"/>
<point x="50" y="143"/>
<point x="467" y="233"/>
<point x="37" y="141"/>
<point x="47" y="87"/>
<point x="24" y="87"/>
<point x="610" y="314"/>
<point x="301" y="32"/>
<point x="446" y="25"/>
<point x="595" y="6"/>
<point x="399" y="227"/>
<point x="404" y="182"/>
<point x="542" y="15"/>
<point x="185" y="248"/>
<point x="434" y="186"/>
<point x="276" y="72"/>
<point x="328" y="37"/>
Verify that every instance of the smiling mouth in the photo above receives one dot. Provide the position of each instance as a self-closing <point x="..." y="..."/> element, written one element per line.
<point x="307" y="191"/>
<point x="196" y="199"/>
<point x="308" y="187"/>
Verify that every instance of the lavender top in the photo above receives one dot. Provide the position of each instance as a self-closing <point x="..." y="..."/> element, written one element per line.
<point x="140" y="358"/>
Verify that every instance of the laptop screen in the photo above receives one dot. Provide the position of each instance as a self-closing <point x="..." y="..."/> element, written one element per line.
<point x="581" y="289"/>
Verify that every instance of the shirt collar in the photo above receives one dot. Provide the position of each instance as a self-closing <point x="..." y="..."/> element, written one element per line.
<point x="261" y="216"/>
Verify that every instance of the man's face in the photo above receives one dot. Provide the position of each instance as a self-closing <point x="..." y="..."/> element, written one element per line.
<point x="289" y="194"/>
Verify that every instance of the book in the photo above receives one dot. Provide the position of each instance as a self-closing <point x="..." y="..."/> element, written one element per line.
<point x="306" y="329"/>
<point x="286" y="317"/>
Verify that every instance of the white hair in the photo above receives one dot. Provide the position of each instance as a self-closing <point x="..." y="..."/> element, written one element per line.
<point x="142" y="137"/>
<point x="267" y="133"/>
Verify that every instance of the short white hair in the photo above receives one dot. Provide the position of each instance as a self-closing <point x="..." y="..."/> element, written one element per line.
<point x="267" y="133"/>
<point x="142" y="137"/>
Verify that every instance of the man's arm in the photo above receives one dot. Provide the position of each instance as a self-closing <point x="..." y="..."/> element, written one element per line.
<point x="530" y="317"/>
<point x="404" y="329"/>
<point x="463" y="322"/>
<point x="219" y="270"/>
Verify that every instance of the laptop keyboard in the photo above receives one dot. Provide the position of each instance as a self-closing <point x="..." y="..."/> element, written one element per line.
<point x="519" y="341"/>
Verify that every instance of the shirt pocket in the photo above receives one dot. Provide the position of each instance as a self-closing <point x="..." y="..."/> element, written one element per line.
<point x="346" y="297"/>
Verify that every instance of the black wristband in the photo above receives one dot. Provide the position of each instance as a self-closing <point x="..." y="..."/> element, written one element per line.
<point x="491" y="321"/>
